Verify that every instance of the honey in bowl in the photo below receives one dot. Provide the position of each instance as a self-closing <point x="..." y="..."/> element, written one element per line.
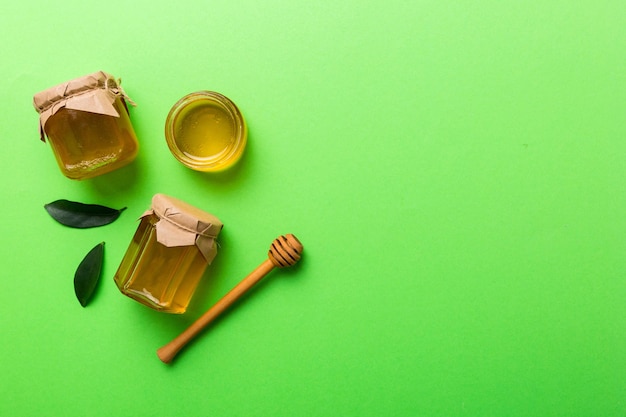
<point x="206" y="131"/>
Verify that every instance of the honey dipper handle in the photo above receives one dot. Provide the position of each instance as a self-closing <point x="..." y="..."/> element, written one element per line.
<point x="169" y="351"/>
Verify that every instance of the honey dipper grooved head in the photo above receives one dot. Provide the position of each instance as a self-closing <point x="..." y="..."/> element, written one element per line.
<point x="285" y="251"/>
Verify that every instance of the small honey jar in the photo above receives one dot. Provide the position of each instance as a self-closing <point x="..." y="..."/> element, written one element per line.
<point x="87" y="125"/>
<point x="206" y="131"/>
<point x="168" y="255"/>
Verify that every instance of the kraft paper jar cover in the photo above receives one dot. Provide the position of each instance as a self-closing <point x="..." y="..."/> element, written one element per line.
<point x="93" y="93"/>
<point x="181" y="224"/>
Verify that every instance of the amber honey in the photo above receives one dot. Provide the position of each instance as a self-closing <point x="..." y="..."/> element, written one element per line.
<point x="157" y="276"/>
<point x="87" y="124"/>
<point x="206" y="131"/>
<point x="163" y="272"/>
<point x="87" y="144"/>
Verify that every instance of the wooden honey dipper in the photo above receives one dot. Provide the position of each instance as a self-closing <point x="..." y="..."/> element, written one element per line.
<point x="284" y="251"/>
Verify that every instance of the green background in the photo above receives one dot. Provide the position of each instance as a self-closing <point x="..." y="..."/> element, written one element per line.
<point x="454" y="169"/>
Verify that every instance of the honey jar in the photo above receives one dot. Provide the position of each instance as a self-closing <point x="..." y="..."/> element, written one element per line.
<point x="168" y="255"/>
<point x="87" y="125"/>
<point x="206" y="131"/>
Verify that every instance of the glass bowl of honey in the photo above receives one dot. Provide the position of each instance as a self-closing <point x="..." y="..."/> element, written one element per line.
<point x="206" y="131"/>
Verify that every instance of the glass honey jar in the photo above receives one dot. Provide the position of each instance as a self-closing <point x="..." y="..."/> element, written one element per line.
<point x="87" y="124"/>
<point x="168" y="255"/>
<point x="206" y="131"/>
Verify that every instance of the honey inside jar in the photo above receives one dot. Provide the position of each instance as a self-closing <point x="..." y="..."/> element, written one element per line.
<point x="206" y="131"/>
<point x="87" y="144"/>
<point x="87" y="124"/>
<point x="168" y="255"/>
<point x="157" y="276"/>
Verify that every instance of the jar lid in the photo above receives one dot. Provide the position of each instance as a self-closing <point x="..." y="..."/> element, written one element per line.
<point x="94" y="93"/>
<point x="181" y="224"/>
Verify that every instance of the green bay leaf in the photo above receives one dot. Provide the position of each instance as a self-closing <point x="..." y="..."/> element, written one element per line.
<point x="88" y="274"/>
<point x="81" y="215"/>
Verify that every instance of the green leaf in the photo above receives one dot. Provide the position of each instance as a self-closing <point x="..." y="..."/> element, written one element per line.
<point x="88" y="274"/>
<point x="80" y="215"/>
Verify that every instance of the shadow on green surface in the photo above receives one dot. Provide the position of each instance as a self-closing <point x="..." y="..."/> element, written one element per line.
<point x="119" y="182"/>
